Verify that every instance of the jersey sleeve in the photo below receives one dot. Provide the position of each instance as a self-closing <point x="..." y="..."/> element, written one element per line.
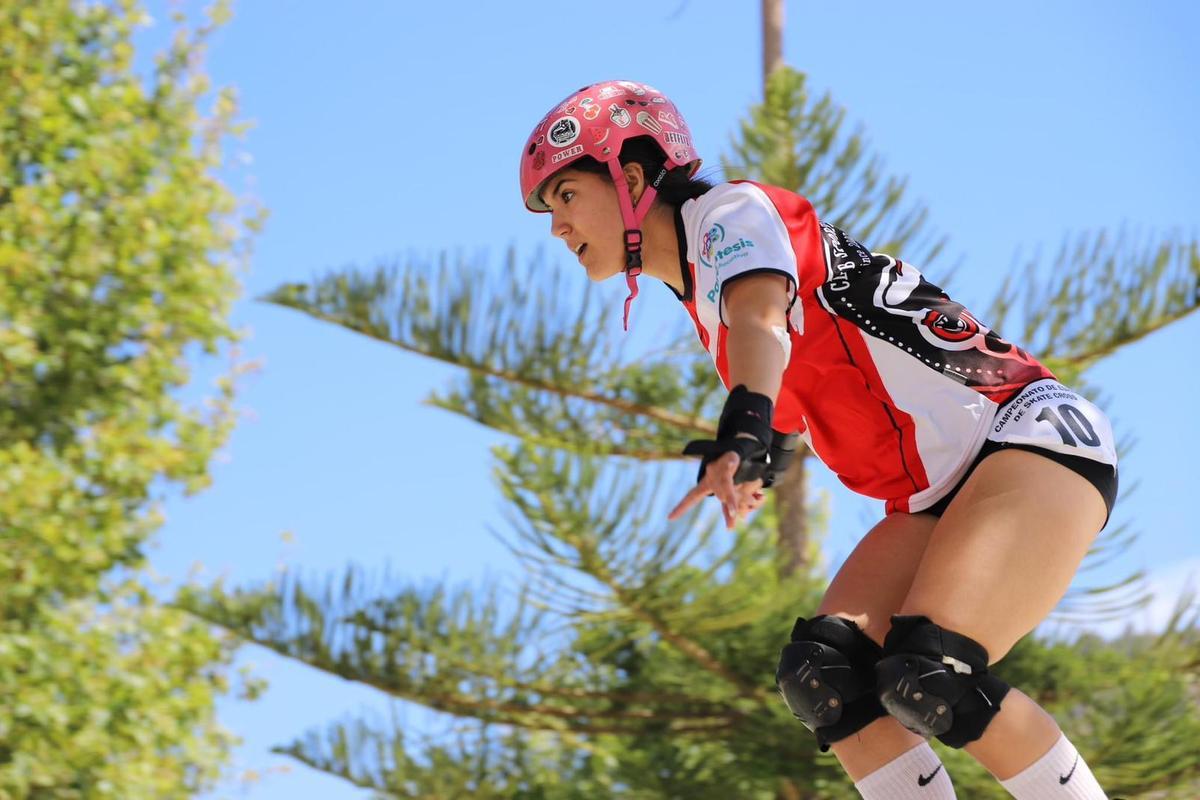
<point x="744" y="234"/>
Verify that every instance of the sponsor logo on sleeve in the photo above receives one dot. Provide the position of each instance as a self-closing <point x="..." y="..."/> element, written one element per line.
<point x="717" y="250"/>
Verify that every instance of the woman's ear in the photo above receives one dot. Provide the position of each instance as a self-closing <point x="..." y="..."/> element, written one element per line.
<point x="636" y="179"/>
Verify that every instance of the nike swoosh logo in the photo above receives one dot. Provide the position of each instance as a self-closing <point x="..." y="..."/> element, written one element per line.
<point x="922" y="780"/>
<point x="1062" y="779"/>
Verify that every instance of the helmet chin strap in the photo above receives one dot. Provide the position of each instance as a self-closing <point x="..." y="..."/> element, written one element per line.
<point x="632" y="218"/>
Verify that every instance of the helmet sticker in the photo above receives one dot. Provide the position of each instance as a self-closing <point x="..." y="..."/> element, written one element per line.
<point x="645" y="120"/>
<point x="539" y="160"/>
<point x="564" y="131"/>
<point x="669" y="118"/>
<point x="574" y="151"/>
<point x="676" y="138"/>
<point x="619" y="116"/>
<point x="633" y="87"/>
<point x="599" y="135"/>
<point x="611" y="91"/>
<point x="660" y="99"/>
<point x="590" y="108"/>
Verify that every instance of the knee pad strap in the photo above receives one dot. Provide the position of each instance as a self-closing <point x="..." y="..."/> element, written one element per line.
<point x="936" y="683"/>
<point x="826" y="677"/>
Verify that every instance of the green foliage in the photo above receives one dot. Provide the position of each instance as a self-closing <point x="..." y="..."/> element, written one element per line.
<point x="792" y="141"/>
<point x="631" y="661"/>
<point x="1097" y="293"/>
<point x="541" y="364"/>
<point x="117" y="256"/>
<point x="112" y="701"/>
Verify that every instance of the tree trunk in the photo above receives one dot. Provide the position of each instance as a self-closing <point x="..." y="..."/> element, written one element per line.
<point x="790" y="506"/>
<point x="791" y="511"/>
<point x="772" y="34"/>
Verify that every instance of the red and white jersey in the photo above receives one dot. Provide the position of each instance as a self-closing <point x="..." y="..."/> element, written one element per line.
<point x="892" y="384"/>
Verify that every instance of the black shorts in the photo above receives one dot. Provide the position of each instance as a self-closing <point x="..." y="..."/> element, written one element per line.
<point x="1102" y="476"/>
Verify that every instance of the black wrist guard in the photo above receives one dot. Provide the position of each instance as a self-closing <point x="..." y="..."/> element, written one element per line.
<point x="745" y="412"/>
<point x="782" y="453"/>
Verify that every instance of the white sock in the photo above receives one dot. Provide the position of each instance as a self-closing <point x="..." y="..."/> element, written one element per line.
<point x="915" y="775"/>
<point x="1061" y="774"/>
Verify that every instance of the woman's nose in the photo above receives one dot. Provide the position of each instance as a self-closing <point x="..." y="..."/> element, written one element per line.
<point x="559" y="227"/>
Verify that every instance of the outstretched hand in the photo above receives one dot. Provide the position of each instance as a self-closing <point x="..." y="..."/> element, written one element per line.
<point x="737" y="499"/>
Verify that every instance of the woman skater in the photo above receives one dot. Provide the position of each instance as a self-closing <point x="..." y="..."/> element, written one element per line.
<point x="996" y="477"/>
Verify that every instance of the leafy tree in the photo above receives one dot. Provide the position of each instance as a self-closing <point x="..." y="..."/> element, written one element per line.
<point x="636" y="660"/>
<point x="118" y="249"/>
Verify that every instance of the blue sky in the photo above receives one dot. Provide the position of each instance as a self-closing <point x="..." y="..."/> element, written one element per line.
<point x="389" y="129"/>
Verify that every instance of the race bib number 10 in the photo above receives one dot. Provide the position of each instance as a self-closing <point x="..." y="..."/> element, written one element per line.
<point x="1049" y="415"/>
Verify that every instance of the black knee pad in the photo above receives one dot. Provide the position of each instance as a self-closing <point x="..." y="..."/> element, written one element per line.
<point x="936" y="683"/>
<point x="826" y="675"/>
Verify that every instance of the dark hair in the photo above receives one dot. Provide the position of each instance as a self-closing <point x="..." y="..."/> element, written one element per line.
<point x="675" y="189"/>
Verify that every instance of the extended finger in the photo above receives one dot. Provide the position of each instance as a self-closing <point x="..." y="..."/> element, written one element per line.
<point x="725" y="489"/>
<point x="694" y="495"/>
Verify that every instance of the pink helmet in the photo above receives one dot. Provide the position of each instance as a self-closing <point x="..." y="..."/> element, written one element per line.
<point x="596" y="121"/>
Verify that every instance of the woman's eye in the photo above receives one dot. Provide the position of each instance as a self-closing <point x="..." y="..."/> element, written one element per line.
<point x="567" y="195"/>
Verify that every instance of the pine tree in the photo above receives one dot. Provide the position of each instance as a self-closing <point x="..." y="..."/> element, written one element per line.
<point x="637" y="660"/>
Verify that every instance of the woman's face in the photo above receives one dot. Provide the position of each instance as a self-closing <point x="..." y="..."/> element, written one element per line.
<point x="585" y="214"/>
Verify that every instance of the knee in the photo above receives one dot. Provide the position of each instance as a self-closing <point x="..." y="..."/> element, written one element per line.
<point x="873" y="626"/>
<point x="826" y="675"/>
<point x="935" y="682"/>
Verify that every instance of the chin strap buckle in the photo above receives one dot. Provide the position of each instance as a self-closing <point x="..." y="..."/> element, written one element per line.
<point x="633" y="249"/>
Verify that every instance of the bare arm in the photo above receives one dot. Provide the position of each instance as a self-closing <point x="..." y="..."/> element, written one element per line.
<point x="755" y="311"/>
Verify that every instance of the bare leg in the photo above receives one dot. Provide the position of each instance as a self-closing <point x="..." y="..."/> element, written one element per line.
<point x="868" y="589"/>
<point x="995" y="565"/>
